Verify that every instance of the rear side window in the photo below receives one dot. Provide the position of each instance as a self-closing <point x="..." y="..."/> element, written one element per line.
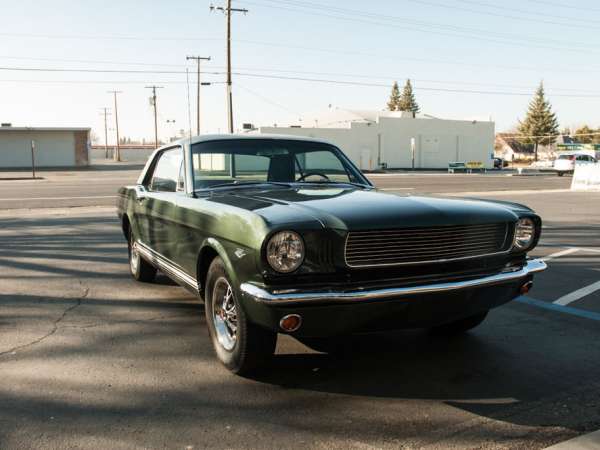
<point x="167" y="171"/>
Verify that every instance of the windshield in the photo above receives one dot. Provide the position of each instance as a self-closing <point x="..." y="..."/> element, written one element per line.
<point x="250" y="161"/>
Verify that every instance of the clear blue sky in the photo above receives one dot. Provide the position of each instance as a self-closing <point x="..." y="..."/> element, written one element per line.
<point x="467" y="45"/>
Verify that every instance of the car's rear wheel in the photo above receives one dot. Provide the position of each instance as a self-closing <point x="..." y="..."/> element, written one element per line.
<point x="560" y="174"/>
<point x="140" y="269"/>
<point x="240" y="345"/>
<point x="460" y="326"/>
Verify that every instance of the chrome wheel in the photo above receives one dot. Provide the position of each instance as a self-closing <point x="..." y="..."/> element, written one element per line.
<point x="224" y="314"/>
<point x="134" y="259"/>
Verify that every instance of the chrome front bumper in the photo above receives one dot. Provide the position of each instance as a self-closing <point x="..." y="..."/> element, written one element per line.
<point x="286" y="297"/>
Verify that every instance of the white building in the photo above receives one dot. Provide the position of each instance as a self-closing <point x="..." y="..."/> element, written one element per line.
<point x="54" y="147"/>
<point x="388" y="139"/>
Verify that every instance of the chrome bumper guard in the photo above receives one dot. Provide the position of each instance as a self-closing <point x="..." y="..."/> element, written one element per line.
<point x="284" y="297"/>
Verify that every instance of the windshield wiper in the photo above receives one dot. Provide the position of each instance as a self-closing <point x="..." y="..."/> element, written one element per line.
<point x="365" y="186"/>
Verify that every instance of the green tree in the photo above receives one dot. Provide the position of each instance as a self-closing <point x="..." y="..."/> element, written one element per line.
<point x="394" y="101"/>
<point x="580" y="135"/>
<point x="540" y="125"/>
<point x="408" y="101"/>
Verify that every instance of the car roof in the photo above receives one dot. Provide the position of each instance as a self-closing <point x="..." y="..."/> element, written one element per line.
<point x="246" y="136"/>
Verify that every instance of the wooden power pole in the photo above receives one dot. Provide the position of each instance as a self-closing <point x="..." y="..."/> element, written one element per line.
<point x="105" y="113"/>
<point x="154" y="88"/>
<point x="198" y="59"/>
<point x="117" y="155"/>
<point x="227" y="11"/>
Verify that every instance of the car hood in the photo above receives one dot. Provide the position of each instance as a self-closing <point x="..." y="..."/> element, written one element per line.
<point x="356" y="209"/>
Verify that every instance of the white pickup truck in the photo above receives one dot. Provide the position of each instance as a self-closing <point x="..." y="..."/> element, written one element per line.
<point x="566" y="162"/>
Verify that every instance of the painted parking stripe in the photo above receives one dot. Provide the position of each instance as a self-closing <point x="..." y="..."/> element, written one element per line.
<point x="559" y="308"/>
<point x="22" y="199"/>
<point x="568" y="251"/>
<point x="578" y="294"/>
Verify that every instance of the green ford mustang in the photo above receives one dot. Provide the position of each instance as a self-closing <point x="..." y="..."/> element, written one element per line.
<point x="285" y="235"/>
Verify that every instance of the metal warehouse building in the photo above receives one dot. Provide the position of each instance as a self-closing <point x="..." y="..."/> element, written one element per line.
<point x="376" y="139"/>
<point x="54" y="147"/>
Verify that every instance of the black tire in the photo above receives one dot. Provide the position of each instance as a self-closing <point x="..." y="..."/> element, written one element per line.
<point x="250" y="346"/>
<point x="140" y="269"/>
<point x="460" y="326"/>
<point x="560" y="174"/>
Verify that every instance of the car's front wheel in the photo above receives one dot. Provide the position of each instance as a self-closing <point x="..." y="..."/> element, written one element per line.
<point x="239" y="344"/>
<point x="140" y="269"/>
<point x="460" y="326"/>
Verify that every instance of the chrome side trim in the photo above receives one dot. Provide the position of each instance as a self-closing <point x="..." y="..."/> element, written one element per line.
<point x="166" y="266"/>
<point x="298" y="297"/>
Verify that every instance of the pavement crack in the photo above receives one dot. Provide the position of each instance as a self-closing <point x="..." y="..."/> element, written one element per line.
<point x="55" y="325"/>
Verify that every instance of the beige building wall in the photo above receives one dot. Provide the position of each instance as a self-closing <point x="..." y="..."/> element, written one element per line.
<point x="388" y="141"/>
<point x="53" y="148"/>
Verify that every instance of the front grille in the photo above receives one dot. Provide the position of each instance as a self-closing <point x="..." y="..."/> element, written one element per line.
<point x="422" y="245"/>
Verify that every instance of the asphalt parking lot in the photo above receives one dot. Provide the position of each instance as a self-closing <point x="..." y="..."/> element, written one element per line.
<point x="91" y="359"/>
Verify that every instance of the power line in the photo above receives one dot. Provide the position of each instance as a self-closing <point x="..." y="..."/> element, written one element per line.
<point x="561" y="5"/>
<point x="410" y="26"/>
<point x="505" y="16"/>
<point x="340" y="82"/>
<point x="325" y="50"/>
<point x="531" y="13"/>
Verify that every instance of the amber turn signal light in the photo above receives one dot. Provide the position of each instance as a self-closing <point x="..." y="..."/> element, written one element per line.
<point x="290" y="323"/>
<point x="526" y="287"/>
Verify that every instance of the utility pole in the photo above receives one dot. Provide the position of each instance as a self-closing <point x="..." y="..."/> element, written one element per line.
<point x="105" y="113"/>
<point x="198" y="59"/>
<point x="227" y="11"/>
<point x="117" y="155"/>
<point x="154" y="88"/>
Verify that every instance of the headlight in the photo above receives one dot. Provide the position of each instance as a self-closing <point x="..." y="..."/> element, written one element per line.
<point x="524" y="234"/>
<point x="285" y="251"/>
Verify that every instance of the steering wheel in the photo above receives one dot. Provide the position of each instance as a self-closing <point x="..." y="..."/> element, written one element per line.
<point x="306" y="175"/>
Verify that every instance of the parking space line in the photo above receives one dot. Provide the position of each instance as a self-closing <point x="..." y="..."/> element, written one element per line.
<point x="559" y="308"/>
<point x="579" y="293"/>
<point x="22" y="199"/>
<point x="561" y="253"/>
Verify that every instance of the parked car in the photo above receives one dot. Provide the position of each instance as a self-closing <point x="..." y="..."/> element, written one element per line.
<point x="566" y="162"/>
<point x="286" y="235"/>
<point x="500" y="163"/>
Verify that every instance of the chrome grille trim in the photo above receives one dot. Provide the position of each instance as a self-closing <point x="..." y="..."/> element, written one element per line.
<point x="378" y="248"/>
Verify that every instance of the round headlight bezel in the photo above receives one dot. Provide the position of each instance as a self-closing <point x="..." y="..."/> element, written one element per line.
<point x="272" y="245"/>
<point x="524" y="226"/>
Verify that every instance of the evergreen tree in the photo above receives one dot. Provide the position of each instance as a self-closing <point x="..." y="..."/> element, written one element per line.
<point x="394" y="101"/>
<point x="580" y="135"/>
<point x="408" y="101"/>
<point x="540" y="125"/>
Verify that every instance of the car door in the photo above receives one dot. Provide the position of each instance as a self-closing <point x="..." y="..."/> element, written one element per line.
<point x="163" y="187"/>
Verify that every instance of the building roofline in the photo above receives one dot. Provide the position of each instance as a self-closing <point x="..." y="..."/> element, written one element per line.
<point x="11" y="128"/>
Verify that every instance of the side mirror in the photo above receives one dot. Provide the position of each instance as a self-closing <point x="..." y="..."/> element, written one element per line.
<point x="140" y="192"/>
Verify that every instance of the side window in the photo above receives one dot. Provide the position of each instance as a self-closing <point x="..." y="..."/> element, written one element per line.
<point x="167" y="171"/>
